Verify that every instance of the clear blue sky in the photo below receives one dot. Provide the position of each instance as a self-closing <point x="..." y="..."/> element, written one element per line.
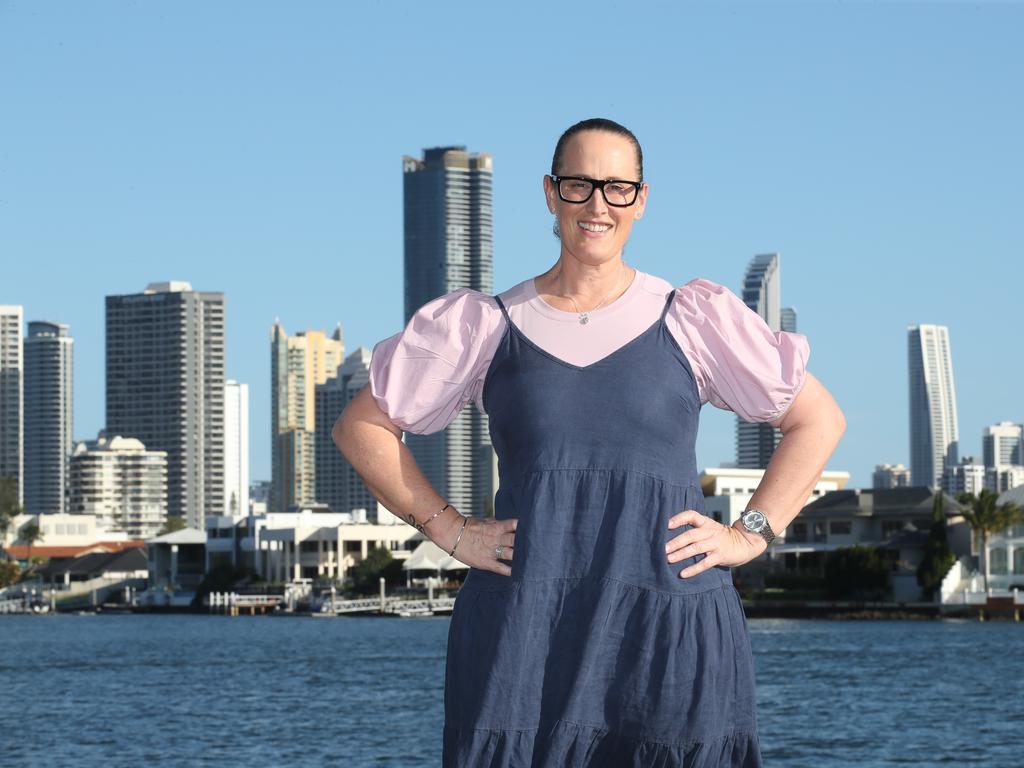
<point x="255" y="148"/>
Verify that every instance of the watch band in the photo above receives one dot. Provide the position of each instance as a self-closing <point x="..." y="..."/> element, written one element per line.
<point x="764" y="529"/>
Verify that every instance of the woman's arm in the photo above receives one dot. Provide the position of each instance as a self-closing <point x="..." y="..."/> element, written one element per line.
<point x="811" y="429"/>
<point x="373" y="445"/>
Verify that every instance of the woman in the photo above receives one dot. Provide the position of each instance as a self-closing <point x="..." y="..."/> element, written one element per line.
<point x="598" y="624"/>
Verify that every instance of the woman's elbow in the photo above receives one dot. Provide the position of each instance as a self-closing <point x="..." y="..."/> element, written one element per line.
<point x="341" y="433"/>
<point x="360" y="410"/>
<point x="838" y="423"/>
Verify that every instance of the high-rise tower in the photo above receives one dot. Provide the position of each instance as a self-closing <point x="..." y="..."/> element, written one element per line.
<point x="48" y="417"/>
<point x="337" y="483"/>
<point x="756" y="442"/>
<point x="165" y="386"/>
<point x="934" y="433"/>
<point x="1002" y="445"/>
<point x="297" y="365"/>
<point x="449" y="245"/>
<point x="12" y="403"/>
<point x="236" y="448"/>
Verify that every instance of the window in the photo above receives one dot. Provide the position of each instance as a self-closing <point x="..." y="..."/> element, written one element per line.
<point x="840" y="527"/>
<point x="997" y="561"/>
<point x="819" y="531"/>
<point x="1018" y="560"/>
<point x="798" y="532"/>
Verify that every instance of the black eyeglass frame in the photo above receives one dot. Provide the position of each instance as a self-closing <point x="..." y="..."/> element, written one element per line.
<point x="596" y="184"/>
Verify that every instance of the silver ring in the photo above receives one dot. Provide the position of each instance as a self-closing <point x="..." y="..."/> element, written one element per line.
<point x="497" y="552"/>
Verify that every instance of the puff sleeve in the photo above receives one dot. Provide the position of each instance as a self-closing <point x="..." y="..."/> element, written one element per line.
<point x="422" y="376"/>
<point x="740" y="364"/>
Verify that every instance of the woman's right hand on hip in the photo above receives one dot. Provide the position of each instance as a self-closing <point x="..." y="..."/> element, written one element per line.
<point x="480" y="539"/>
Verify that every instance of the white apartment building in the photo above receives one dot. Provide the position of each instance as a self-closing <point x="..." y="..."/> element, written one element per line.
<point x="890" y="476"/>
<point x="283" y="546"/>
<point x="121" y="483"/>
<point x="934" y="429"/>
<point x="968" y="476"/>
<point x="727" y="491"/>
<point x="236" y="448"/>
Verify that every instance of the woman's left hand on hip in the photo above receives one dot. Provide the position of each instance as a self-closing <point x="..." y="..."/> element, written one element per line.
<point x="721" y="544"/>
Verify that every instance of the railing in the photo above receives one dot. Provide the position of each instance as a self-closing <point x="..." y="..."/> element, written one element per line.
<point x="390" y="605"/>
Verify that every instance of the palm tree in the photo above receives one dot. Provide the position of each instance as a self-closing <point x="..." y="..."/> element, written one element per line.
<point x="9" y="508"/>
<point x="986" y="517"/>
<point x="30" y="534"/>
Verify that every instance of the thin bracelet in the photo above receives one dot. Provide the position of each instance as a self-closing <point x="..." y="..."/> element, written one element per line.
<point x="419" y="526"/>
<point x="465" y="519"/>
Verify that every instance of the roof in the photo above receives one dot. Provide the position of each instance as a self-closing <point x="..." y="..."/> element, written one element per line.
<point x="184" y="536"/>
<point x="20" y="551"/>
<point x="1015" y="495"/>
<point x="96" y="564"/>
<point x="430" y="557"/>
<point x="878" y="502"/>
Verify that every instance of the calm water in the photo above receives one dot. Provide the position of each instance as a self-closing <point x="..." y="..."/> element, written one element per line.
<point x="201" y="690"/>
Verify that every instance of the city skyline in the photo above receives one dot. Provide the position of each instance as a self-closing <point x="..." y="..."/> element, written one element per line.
<point x="887" y="182"/>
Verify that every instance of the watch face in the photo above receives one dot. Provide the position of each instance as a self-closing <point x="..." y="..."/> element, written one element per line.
<point x="754" y="519"/>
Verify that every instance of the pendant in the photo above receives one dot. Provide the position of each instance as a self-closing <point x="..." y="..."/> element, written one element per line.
<point x="583" y="319"/>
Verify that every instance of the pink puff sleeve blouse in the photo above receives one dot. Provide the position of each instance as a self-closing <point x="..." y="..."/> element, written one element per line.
<point x="423" y="376"/>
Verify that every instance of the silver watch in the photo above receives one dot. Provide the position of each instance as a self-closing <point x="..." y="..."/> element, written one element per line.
<point x="755" y="521"/>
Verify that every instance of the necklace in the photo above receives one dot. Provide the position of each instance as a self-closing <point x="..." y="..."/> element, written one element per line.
<point x="585" y="316"/>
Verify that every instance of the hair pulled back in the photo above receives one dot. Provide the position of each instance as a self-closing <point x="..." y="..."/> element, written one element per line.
<point x="597" y="124"/>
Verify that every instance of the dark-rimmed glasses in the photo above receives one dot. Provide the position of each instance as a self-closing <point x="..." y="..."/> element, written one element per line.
<point x="578" y="189"/>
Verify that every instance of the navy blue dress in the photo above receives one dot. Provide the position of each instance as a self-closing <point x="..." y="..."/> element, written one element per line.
<point x="594" y="652"/>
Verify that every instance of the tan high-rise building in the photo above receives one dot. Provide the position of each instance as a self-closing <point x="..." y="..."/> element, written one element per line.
<point x="297" y="364"/>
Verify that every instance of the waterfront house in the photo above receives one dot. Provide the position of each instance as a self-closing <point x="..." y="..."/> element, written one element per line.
<point x="306" y="543"/>
<point x="1003" y="559"/>
<point x="897" y="520"/>
<point x="96" y="571"/>
<point x="63" y="535"/>
<point x="177" y="561"/>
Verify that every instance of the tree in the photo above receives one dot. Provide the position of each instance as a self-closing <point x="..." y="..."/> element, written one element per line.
<point x="378" y="562"/>
<point x="938" y="556"/>
<point x="30" y="534"/>
<point x="9" y="508"/>
<point x="857" y="572"/>
<point x="986" y="517"/>
<point x="172" y="524"/>
<point x="9" y="573"/>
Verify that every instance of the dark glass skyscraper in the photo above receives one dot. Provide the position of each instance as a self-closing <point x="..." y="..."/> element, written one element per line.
<point x="165" y="386"/>
<point x="449" y="245"/>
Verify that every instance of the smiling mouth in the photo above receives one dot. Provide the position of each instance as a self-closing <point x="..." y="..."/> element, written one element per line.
<point x="594" y="227"/>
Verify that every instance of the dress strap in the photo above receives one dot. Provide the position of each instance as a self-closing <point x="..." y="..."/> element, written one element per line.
<point x="668" y="303"/>
<point x="503" y="310"/>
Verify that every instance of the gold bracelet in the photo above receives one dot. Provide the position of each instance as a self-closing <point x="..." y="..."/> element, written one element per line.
<point x="465" y="519"/>
<point x="419" y="526"/>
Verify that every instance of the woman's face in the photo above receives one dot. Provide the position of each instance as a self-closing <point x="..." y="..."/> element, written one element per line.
<point x="595" y="232"/>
